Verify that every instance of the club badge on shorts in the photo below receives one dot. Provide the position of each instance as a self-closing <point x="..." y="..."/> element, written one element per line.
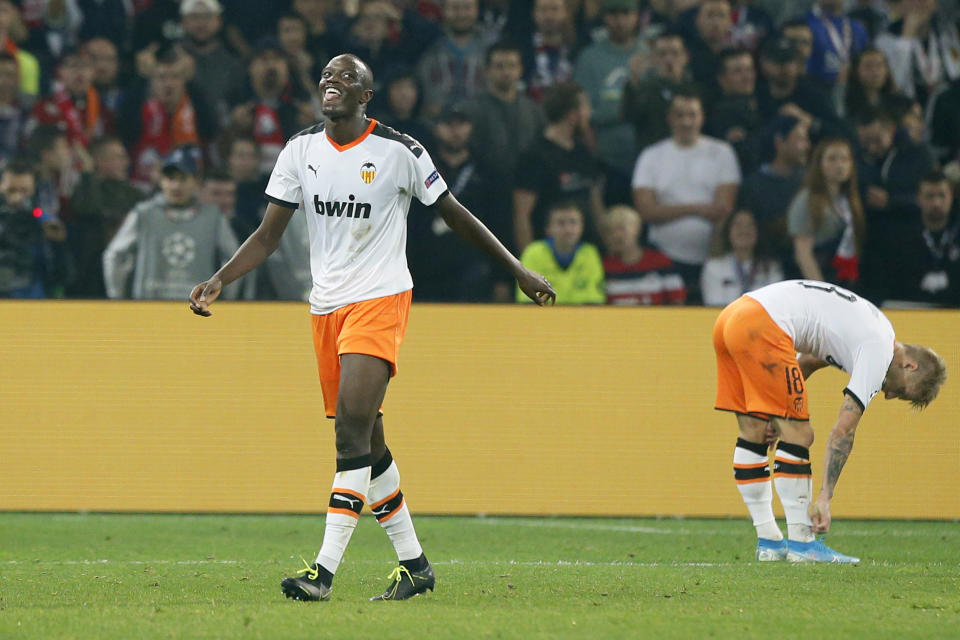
<point x="368" y="172"/>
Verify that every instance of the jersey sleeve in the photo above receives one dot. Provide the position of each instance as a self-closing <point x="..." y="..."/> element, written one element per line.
<point x="869" y="372"/>
<point x="426" y="182"/>
<point x="284" y="186"/>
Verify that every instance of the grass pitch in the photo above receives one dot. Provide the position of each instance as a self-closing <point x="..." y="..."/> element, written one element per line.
<point x="182" y="576"/>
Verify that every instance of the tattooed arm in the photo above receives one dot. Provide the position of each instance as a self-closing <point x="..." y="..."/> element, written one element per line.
<point x="839" y="445"/>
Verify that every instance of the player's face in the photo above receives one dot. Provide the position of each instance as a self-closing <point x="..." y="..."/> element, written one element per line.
<point x="17" y="188"/>
<point x="837" y="164"/>
<point x="565" y="228"/>
<point x="342" y="91"/>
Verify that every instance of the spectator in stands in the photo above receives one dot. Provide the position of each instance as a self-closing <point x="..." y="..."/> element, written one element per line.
<point x="105" y="20"/>
<point x="445" y="269"/>
<point x="548" y="54"/>
<point x="922" y="48"/>
<point x="910" y="118"/>
<point x="168" y="241"/>
<point x="684" y="185"/>
<point x="890" y="165"/>
<point x="271" y="110"/>
<point x="602" y="70"/>
<point x="55" y="172"/>
<point x="220" y="73"/>
<point x="11" y="26"/>
<point x="323" y="41"/>
<point x="751" y="25"/>
<point x="647" y="96"/>
<point x="305" y="64"/>
<point x="162" y="115"/>
<point x="871" y="16"/>
<point x="403" y="109"/>
<point x="221" y="191"/>
<point x="105" y="62"/>
<point x="923" y="263"/>
<point x="243" y="167"/>
<point x="740" y="265"/>
<point x="944" y="132"/>
<point x="798" y="32"/>
<point x="711" y="36"/>
<point x="836" y="40"/>
<point x="74" y="102"/>
<point x="735" y="114"/>
<point x="768" y="191"/>
<point x="574" y="268"/>
<point x="157" y="27"/>
<point x="26" y="233"/>
<point x="782" y="93"/>
<point x="635" y="274"/>
<point x="14" y="110"/>
<point x="826" y="217"/>
<point x="558" y="167"/>
<point x="869" y="84"/>
<point x="451" y="71"/>
<point x="99" y="203"/>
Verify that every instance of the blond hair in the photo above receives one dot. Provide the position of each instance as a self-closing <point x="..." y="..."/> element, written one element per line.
<point x="622" y="213"/>
<point x="931" y="374"/>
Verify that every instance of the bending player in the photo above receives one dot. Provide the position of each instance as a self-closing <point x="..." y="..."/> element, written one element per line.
<point x="355" y="178"/>
<point x="761" y="378"/>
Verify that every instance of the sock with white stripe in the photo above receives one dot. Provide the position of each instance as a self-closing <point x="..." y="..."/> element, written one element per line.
<point x="751" y="470"/>
<point x="350" y="486"/>
<point x="792" y="477"/>
<point x="390" y="509"/>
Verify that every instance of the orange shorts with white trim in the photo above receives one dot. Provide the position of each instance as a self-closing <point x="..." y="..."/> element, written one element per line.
<point x="757" y="369"/>
<point x="372" y="327"/>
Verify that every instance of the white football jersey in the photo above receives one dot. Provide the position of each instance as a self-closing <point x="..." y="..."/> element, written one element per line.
<point x="356" y="198"/>
<point x="836" y="326"/>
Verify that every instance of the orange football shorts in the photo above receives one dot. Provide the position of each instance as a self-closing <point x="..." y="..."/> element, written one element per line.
<point x="757" y="369"/>
<point x="372" y="327"/>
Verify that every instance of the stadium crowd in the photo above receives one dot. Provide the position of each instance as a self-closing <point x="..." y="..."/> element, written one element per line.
<point x="633" y="151"/>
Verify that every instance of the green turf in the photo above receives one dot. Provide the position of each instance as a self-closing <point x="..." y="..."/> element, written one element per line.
<point x="178" y="576"/>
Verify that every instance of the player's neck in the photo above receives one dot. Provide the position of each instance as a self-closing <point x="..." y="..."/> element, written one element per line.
<point x="347" y="129"/>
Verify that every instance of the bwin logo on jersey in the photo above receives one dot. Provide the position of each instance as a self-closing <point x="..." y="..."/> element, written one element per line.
<point x="368" y="171"/>
<point x="341" y="209"/>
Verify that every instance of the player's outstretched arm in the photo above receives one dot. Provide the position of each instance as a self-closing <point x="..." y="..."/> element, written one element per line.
<point x="468" y="227"/>
<point x="839" y="446"/>
<point x="248" y="257"/>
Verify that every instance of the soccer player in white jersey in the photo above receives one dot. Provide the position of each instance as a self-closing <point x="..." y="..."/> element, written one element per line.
<point x="354" y="179"/>
<point x="768" y="342"/>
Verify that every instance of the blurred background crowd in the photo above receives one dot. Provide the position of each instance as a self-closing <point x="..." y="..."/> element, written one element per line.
<point x="636" y="152"/>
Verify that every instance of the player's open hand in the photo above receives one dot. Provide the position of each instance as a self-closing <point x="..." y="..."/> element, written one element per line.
<point x="820" y="515"/>
<point x="536" y="287"/>
<point x="203" y="295"/>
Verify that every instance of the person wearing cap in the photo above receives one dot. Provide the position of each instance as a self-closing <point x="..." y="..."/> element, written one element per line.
<point x="218" y="72"/>
<point x="781" y="92"/>
<point x="451" y="71"/>
<point x="168" y="241"/>
<point x="602" y="69"/>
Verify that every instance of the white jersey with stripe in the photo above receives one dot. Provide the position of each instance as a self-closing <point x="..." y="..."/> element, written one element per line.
<point x="835" y="325"/>
<point x="356" y="198"/>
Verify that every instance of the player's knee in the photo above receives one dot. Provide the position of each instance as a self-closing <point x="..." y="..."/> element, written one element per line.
<point x="351" y="437"/>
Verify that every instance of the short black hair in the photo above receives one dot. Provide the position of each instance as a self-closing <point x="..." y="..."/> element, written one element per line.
<point x="870" y="114"/>
<point x="687" y="92"/>
<point x="20" y="166"/>
<point x="44" y="138"/>
<point x="728" y="54"/>
<point x="933" y="176"/>
<point x="501" y="46"/>
<point x="670" y="34"/>
<point x="97" y="145"/>
<point x="794" y="22"/>
<point x="217" y="175"/>
<point x="167" y="55"/>
<point x="561" y="99"/>
<point x="565" y="205"/>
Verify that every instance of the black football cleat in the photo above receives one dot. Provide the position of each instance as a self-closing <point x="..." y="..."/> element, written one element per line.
<point x="407" y="584"/>
<point x="306" y="587"/>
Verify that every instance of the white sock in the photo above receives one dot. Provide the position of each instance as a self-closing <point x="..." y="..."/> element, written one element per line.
<point x="751" y="469"/>
<point x="349" y="492"/>
<point x="792" y="477"/>
<point x="390" y="509"/>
